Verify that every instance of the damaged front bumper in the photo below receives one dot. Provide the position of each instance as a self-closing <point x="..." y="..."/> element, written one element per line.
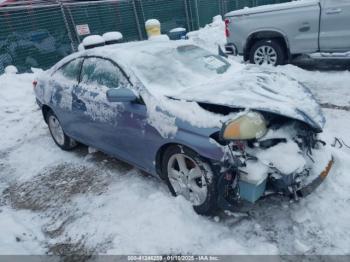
<point x="232" y="198"/>
<point x="308" y="189"/>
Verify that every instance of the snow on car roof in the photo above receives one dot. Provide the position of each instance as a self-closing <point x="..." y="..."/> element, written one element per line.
<point x="121" y="53"/>
<point x="93" y="40"/>
<point x="133" y="48"/>
<point x="112" y="36"/>
<point x="273" y="7"/>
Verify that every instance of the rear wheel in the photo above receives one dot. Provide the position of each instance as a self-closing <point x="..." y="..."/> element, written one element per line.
<point x="57" y="133"/>
<point x="189" y="175"/>
<point x="268" y="52"/>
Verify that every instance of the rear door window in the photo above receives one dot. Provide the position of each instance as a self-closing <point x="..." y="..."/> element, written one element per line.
<point x="98" y="71"/>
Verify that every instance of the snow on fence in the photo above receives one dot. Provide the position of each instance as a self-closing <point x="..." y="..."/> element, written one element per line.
<point x="39" y="33"/>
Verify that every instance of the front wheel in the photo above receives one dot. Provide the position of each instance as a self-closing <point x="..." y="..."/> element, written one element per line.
<point x="189" y="175"/>
<point x="57" y="133"/>
<point x="268" y="52"/>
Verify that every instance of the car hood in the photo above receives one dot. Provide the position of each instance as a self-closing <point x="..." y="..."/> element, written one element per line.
<point x="255" y="89"/>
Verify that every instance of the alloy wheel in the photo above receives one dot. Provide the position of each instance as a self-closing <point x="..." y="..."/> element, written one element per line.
<point x="265" y="55"/>
<point x="187" y="179"/>
<point x="56" y="130"/>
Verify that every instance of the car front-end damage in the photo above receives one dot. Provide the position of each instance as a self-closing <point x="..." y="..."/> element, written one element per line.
<point x="270" y="154"/>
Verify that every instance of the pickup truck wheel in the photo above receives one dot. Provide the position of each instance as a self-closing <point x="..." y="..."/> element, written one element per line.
<point x="268" y="52"/>
<point x="189" y="175"/>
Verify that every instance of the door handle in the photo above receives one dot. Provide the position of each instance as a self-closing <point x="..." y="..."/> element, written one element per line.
<point x="79" y="102"/>
<point x="305" y="27"/>
<point x="333" y="11"/>
<point x="79" y="105"/>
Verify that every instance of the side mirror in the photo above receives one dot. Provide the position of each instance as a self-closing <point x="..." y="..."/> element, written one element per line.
<point x="121" y="95"/>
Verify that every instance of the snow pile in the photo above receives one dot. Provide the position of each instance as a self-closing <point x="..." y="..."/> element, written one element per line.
<point x="211" y="36"/>
<point x="81" y="47"/>
<point x="15" y="126"/>
<point x="272" y="92"/>
<point x="345" y="55"/>
<point x="177" y="30"/>
<point x="152" y="22"/>
<point x="17" y="233"/>
<point x="328" y="87"/>
<point x="112" y="36"/>
<point x="11" y="70"/>
<point x="159" y="38"/>
<point x="286" y="157"/>
<point x="255" y="173"/>
<point x="164" y="123"/>
<point x="92" y="41"/>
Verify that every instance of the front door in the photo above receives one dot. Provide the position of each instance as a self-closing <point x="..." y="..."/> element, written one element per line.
<point x="335" y="26"/>
<point x="119" y="129"/>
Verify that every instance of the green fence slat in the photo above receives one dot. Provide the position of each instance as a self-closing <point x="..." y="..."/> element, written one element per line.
<point x="32" y="37"/>
<point x="42" y="35"/>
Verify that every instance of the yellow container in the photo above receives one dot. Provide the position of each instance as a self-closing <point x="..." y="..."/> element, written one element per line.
<point x="152" y="27"/>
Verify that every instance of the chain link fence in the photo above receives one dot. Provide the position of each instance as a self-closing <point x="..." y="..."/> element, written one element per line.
<point x="40" y="33"/>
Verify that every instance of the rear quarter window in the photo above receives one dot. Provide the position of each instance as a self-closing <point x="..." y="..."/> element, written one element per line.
<point x="71" y="70"/>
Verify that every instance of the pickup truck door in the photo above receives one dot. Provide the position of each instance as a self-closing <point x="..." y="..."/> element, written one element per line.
<point x="335" y="26"/>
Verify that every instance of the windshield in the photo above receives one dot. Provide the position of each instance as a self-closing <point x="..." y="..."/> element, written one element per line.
<point x="179" y="67"/>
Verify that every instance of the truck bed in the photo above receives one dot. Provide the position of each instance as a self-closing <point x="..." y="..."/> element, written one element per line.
<point x="274" y="7"/>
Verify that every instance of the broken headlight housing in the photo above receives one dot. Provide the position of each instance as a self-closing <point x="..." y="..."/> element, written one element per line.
<point x="248" y="126"/>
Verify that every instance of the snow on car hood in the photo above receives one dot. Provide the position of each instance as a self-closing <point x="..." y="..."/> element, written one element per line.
<point x="253" y="88"/>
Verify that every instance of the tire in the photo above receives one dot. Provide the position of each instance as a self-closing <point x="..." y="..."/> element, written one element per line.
<point x="59" y="137"/>
<point x="204" y="202"/>
<point x="267" y="52"/>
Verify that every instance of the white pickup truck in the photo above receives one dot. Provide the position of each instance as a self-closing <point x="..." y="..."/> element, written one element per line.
<point x="274" y="34"/>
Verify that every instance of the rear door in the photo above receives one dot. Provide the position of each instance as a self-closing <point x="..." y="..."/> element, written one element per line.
<point x="335" y="26"/>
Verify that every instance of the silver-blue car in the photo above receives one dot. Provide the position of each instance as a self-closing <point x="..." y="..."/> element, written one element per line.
<point x="219" y="133"/>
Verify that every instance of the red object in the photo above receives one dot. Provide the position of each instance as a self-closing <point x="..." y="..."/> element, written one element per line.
<point x="35" y="83"/>
<point x="227" y="32"/>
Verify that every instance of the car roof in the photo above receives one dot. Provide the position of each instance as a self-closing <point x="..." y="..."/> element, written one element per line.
<point x="151" y="46"/>
<point x="122" y="52"/>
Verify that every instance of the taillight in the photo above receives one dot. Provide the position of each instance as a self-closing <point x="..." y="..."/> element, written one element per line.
<point x="227" y="32"/>
<point x="35" y="82"/>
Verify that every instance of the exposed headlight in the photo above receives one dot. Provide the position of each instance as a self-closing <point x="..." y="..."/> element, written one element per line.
<point x="249" y="126"/>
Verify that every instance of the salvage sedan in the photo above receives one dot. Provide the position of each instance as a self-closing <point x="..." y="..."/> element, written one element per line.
<point x="218" y="134"/>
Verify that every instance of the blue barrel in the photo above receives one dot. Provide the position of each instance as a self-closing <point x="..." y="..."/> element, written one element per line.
<point x="177" y="33"/>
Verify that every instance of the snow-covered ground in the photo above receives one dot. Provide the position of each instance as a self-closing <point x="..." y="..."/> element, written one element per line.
<point x="62" y="202"/>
